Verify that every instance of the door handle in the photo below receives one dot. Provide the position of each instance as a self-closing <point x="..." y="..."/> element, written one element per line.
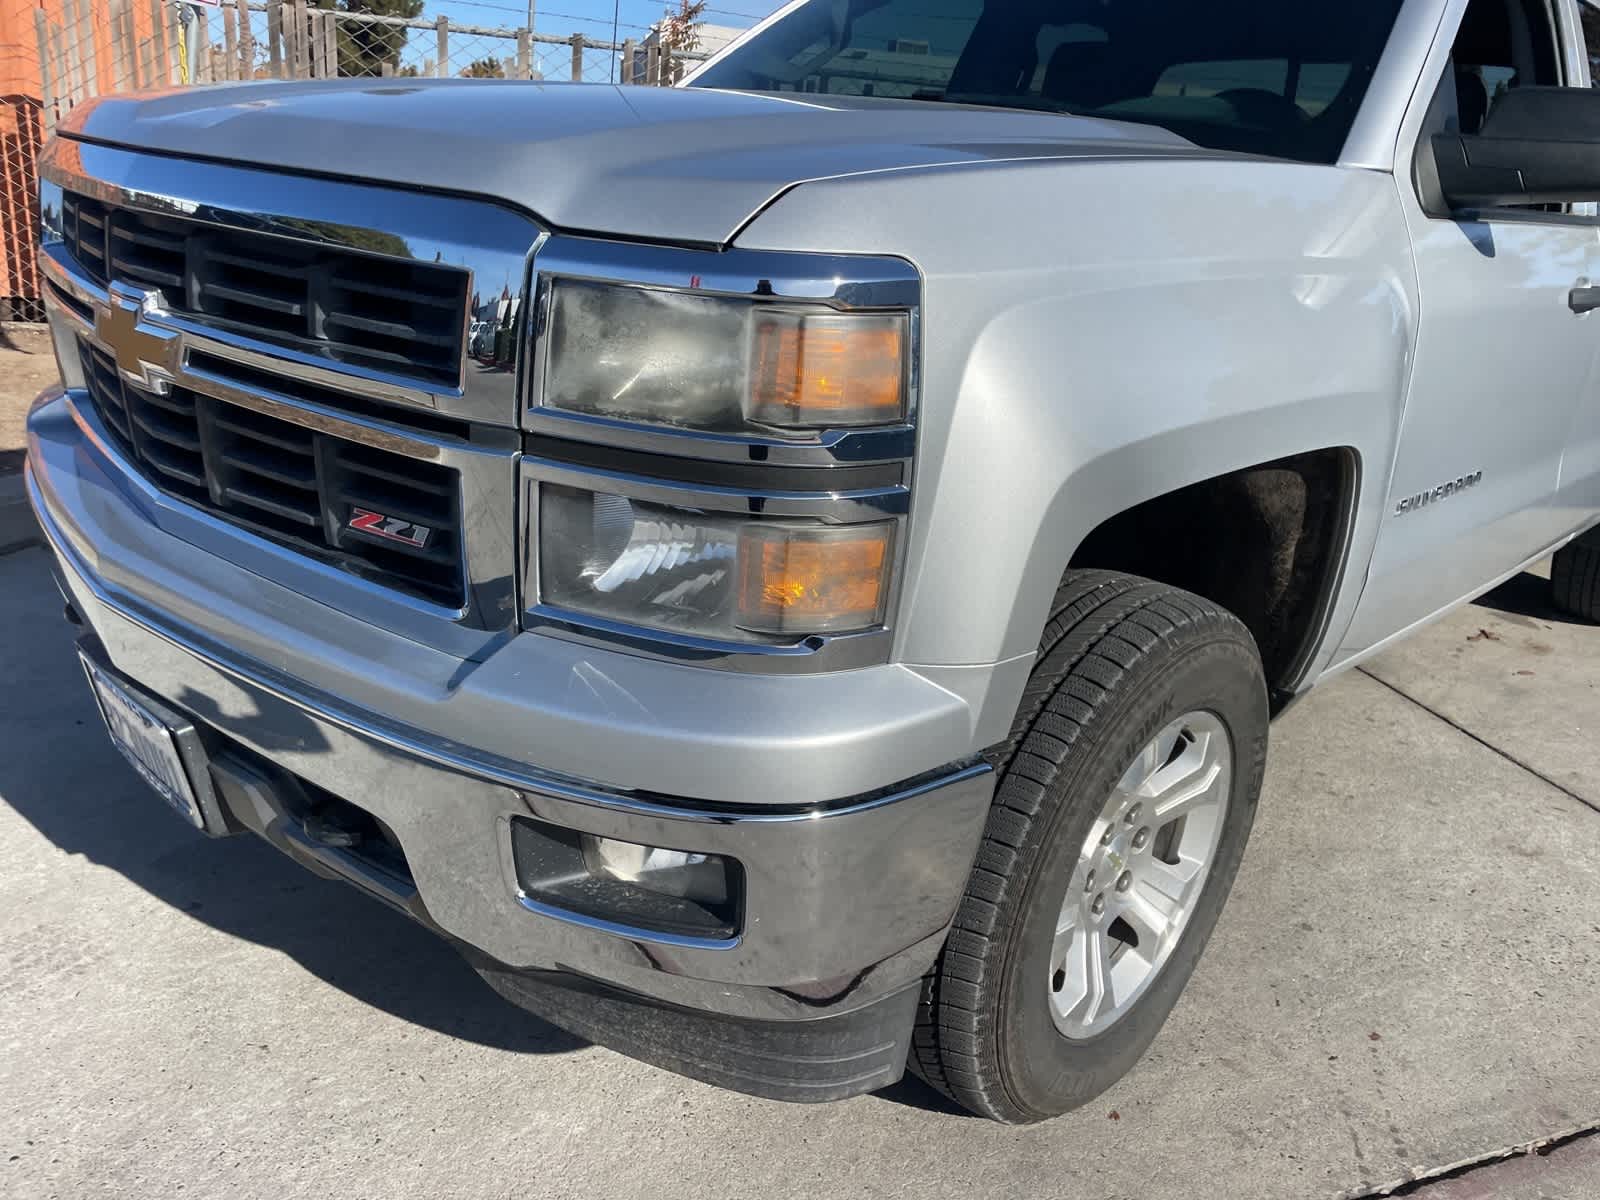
<point x="1581" y="299"/>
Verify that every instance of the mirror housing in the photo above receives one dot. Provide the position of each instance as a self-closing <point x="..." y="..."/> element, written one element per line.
<point x="1539" y="145"/>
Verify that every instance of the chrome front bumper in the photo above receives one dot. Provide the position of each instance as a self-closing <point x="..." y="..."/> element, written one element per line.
<point x="847" y="900"/>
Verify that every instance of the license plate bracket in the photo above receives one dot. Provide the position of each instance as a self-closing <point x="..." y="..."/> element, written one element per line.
<point x="160" y="746"/>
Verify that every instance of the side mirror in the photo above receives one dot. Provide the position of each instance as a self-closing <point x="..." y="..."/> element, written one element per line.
<point x="1540" y="145"/>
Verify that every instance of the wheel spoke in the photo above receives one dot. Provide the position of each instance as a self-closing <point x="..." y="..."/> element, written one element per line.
<point x="1152" y="914"/>
<point x="1066" y="930"/>
<point x="1196" y="790"/>
<point x="1097" y="973"/>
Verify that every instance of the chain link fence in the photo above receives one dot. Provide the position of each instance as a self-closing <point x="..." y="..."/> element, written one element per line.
<point x="78" y="49"/>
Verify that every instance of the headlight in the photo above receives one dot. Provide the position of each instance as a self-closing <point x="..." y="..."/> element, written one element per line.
<point x="722" y="365"/>
<point x="708" y="574"/>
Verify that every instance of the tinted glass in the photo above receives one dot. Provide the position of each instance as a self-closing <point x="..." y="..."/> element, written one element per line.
<point x="1591" y="40"/>
<point x="1268" y="78"/>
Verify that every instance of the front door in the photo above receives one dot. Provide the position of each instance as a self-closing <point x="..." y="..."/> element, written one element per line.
<point x="1501" y="358"/>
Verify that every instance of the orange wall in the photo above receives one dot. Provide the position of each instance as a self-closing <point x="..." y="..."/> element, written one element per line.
<point x="19" y="41"/>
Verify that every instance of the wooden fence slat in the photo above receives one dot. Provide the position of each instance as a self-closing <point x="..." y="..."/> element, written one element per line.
<point x="442" y="38"/>
<point x="247" y="43"/>
<point x="200" y="68"/>
<point x="275" y="37"/>
<point x="291" y="39"/>
<point x="330" y="37"/>
<point x="652" y="64"/>
<point x="625" y="67"/>
<point x="91" y="47"/>
<point x="41" y="33"/>
<point x="230" y="42"/>
<point x="58" y="66"/>
<point x="158" y="48"/>
<point x="302" y="39"/>
<point x="71" y="67"/>
<point x="174" y="18"/>
<point x="119" y="46"/>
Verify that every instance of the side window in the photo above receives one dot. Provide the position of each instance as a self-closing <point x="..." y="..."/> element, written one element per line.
<point x="1502" y="44"/>
<point x="1590" y="16"/>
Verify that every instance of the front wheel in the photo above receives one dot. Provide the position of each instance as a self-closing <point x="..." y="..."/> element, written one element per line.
<point x="1126" y="796"/>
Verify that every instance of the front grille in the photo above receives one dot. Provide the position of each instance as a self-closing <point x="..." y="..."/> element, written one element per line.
<point x="363" y="309"/>
<point x="289" y="483"/>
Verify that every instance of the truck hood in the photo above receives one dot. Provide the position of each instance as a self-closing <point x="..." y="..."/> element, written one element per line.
<point x="676" y="164"/>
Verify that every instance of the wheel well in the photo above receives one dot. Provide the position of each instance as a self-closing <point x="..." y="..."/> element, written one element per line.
<point x="1266" y="542"/>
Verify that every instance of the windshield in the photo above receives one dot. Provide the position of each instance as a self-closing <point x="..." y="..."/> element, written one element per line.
<point x="1279" y="78"/>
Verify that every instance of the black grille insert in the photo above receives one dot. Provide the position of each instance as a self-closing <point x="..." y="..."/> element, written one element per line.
<point x="291" y="484"/>
<point x="363" y="309"/>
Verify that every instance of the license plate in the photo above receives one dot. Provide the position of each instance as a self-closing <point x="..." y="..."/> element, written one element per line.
<point x="147" y="744"/>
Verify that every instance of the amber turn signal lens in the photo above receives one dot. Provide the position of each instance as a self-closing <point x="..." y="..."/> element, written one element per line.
<point x="828" y="369"/>
<point x="813" y="579"/>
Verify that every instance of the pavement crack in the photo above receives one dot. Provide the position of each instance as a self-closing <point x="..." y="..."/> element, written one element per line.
<point x="1421" y="1181"/>
<point x="1486" y="744"/>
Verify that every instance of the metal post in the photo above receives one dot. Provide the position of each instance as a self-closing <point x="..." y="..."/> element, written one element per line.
<point x="524" y="54"/>
<point x="442" y="27"/>
<point x="625" y="73"/>
<point x="577" y="58"/>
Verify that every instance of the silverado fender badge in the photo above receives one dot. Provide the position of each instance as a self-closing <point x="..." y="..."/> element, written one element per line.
<point x="393" y="528"/>
<point x="1412" y="503"/>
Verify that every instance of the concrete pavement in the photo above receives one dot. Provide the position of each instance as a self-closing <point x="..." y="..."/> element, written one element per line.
<point x="1407" y="978"/>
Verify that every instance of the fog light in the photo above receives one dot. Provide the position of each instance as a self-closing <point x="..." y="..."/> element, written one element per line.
<point x="702" y="878"/>
<point x="682" y="893"/>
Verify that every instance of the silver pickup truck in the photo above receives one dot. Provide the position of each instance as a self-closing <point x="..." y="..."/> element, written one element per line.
<point x="829" y="617"/>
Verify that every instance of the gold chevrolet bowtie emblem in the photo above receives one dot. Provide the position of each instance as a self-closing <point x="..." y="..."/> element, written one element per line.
<point x="143" y="352"/>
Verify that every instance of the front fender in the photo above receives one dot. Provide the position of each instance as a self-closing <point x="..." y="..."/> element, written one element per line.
<point x="1116" y="330"/>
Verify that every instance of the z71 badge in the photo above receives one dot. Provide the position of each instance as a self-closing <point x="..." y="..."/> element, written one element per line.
<point x="393" y="528"/>
<point x="1412" y="503"/>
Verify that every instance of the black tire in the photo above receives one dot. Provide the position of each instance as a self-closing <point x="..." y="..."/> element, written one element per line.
<point x="1575" y="576"/>
<point x="1120" y="657"/>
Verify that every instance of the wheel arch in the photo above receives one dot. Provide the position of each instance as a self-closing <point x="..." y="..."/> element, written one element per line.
<point x="1269" y="541"/>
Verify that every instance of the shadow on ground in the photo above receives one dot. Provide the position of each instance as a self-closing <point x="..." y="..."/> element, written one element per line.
<point x="239" y="885"/>
<point x="1526" y="595"/>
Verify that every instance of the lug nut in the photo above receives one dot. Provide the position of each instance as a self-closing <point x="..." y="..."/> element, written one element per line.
<point x="1105" y="838"/>
<point x="1133" y="815"/>
<point x="1142" y="838"/>
<point x="1099" y="905"/>
<point x="1124" y="881"/>
<point x="1088" y="882"/>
